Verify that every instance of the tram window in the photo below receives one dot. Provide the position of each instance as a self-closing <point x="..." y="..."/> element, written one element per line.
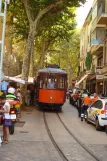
<point x="48" y="82"/>
<point x="51" y="83"/>
<point x="61" y="83"/>
<point x="40" y="83"/>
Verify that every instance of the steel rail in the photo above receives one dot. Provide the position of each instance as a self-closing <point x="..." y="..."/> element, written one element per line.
<point x="53" y="140"/>
<point x="78" y="141"/>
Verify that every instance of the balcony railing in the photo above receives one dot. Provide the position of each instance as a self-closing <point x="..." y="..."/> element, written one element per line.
<point x="100" y="36"/>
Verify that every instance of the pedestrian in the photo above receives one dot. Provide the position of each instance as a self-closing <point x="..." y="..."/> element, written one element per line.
<point x="18" y="106"/>
<point x="79" y="103"/>
<point x="11" y="94"/>
<point x="6" y="119"/>
<point x="32" y="96"/>
<point x="18" y="95"/>
<point x="86" y="104"/>
<point x="28" y="97"/>
<point x="94" y="99"/>
<point x="51" y="84"/>
<point x="4" y="86"/>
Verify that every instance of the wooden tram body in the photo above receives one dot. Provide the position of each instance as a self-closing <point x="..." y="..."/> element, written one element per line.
<point x="51" y="97"/>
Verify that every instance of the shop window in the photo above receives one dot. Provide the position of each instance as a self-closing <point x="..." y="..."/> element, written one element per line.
<point x="105" y="52"/>
<point x="100" y="62"/>
<point x="61" y="83"/>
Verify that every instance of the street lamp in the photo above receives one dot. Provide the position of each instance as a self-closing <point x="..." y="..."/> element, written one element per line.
<point x="3" y="15"/>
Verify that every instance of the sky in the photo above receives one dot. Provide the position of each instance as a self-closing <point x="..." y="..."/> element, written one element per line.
<point x="82" y="13"/>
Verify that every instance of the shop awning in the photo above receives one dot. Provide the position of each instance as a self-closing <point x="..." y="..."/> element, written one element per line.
<point x="18" y="80"/>
<point x="30" y="79"/>
<point x="82" y="79"/>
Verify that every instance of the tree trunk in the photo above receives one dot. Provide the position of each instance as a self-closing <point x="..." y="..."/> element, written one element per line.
<point x="26" y="61"/>
<point x="32" y="61"/>
<point x="43" y="53"/>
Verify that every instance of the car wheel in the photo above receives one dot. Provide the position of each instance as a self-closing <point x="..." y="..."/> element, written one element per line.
<point x="98" y="127"/>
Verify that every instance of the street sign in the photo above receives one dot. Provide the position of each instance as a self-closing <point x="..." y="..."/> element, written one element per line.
<point x="99" y="77"/>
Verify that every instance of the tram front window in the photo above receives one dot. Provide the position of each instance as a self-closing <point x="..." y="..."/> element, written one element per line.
<point x="51" y="83"/>
<point x="48" y="83"/>
<point x="61" y="83"/>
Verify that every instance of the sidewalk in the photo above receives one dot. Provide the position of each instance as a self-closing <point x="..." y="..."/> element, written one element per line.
<point x="30" y="141"/>
<point x="30" y="126"/>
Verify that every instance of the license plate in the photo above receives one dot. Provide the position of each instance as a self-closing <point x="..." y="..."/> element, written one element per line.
<point x="13" y="116"/>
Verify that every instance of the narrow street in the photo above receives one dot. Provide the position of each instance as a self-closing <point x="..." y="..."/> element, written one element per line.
<point x="51" y="50"/>
<point x="32" y="143"/>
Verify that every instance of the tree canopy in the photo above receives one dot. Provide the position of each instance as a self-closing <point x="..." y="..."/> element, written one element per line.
<point x="45" y="18"/>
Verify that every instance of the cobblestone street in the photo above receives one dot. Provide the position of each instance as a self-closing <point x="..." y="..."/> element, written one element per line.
<point x="28" y="151"/>
<point x="32" y="143"/>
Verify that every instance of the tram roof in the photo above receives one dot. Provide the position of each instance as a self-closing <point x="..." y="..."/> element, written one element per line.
<point x="52" y="70"/>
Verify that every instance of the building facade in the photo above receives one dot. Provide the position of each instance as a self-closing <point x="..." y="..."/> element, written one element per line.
<point x="94" y="41"/>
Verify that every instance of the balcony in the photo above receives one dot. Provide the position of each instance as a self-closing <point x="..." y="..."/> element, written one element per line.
<point x="97" y="38"/>
<point x="97" y="49"/>
<point x="102" y="14"/>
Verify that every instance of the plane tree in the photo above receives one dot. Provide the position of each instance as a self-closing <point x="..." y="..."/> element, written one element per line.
<point x="28" y="15"/>
<point x="67" y="55"/>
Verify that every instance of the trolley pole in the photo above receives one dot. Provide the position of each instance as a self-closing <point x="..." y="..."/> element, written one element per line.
<point x="3" y="16"/>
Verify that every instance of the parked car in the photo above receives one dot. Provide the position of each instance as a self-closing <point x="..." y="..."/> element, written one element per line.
<point x="74" y="97"/>
<point x="97" y="114"/>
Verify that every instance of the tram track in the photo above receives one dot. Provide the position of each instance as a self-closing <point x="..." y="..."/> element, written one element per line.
<point x="53" y="140"/>
<point x="61" y="153"/>
<point x="77" y="140"/>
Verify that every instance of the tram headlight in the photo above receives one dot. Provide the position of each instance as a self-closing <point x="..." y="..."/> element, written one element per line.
<point x="51" y="98"/>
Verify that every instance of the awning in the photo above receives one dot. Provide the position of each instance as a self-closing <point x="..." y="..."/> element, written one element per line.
<point x="18" y="80"/>
<point x="82" y="79"/>
<point x="30" y="79"/>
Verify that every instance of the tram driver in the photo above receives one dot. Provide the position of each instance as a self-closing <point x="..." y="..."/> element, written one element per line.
<point x="51" y="84"/>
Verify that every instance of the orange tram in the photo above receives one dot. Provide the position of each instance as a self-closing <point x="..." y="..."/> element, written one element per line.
<point x="51" y="88"/>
